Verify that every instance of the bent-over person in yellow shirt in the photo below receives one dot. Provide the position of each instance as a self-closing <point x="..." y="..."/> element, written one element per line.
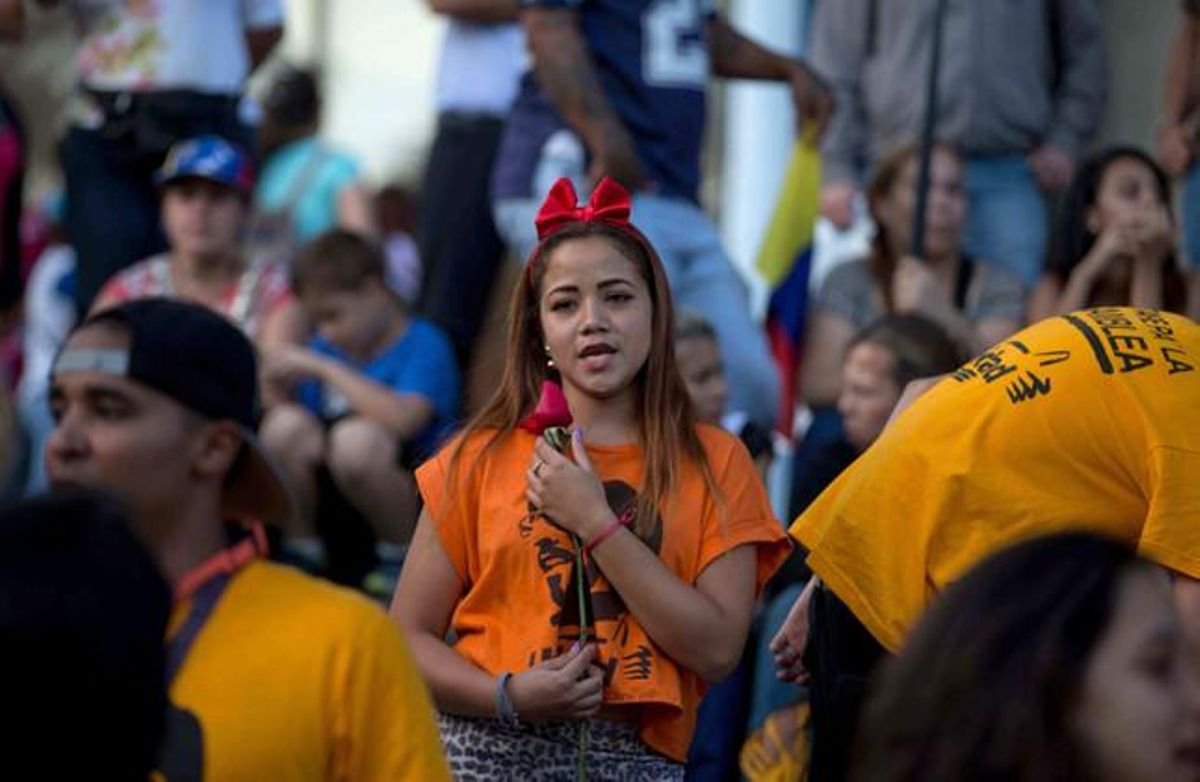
<point x="1087" y="421"/>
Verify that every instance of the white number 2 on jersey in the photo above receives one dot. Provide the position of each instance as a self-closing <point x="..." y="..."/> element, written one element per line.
<point x="673" y="50"/>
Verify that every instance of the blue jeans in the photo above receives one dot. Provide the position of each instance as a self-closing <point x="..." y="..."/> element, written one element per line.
<point x="720" y="728"/>
<point x="702" y="280"/>
<point x="1006" y="218"/>
<point x="1191" y="217"/>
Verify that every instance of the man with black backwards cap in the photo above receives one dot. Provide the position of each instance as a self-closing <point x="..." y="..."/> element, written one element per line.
<point x="276" y="675"/>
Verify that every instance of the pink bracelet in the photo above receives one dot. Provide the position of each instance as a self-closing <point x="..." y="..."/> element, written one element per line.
<point x="624" y="520"/>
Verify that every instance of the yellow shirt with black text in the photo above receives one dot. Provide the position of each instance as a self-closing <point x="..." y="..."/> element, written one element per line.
<point x="1089" y="421"/>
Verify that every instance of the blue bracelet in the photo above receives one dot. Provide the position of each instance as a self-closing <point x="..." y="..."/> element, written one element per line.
<point x="504" y="705"/>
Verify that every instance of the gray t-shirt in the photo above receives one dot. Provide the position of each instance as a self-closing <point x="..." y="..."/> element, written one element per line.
<point x="850" y="292"/>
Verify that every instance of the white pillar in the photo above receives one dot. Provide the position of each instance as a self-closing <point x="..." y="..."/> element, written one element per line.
<point x="758" y="133"/>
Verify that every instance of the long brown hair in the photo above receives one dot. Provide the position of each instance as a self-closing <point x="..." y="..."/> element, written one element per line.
<point x="883" y="181"/>
<point x="666" y="422"/>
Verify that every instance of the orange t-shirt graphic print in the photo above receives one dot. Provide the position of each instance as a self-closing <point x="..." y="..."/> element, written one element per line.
<point x="605" y="610"/>
<point x="520" y="606"/>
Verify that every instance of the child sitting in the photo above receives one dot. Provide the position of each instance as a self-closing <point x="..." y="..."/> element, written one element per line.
<point x="369" y="398"/>
<point x="698" y="357"/>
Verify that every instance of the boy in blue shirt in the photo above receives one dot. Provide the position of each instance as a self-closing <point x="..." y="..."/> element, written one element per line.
<point x="373" y="393"/>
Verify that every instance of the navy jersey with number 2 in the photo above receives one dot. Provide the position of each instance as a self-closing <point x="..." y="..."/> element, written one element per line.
<point x="652" y="60"/>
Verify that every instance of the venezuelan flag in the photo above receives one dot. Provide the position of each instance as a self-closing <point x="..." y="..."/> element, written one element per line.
<point x="784" y="261"/>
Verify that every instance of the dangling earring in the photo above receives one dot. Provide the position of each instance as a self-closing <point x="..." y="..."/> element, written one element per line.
<point x="549" y="360"/>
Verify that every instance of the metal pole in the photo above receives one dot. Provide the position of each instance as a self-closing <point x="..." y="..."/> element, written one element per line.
<point x="917" y="245"/>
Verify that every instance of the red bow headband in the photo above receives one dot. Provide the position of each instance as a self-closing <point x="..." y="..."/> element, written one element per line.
<point x="608" y="204"/>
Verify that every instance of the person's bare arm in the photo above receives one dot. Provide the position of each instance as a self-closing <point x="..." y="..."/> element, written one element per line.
<point x="916" y="289"/>
<point x="478" y="11"/>
<point x="425" y="597"/>
<point x="104" y="300"/>
<point x="1081" y="93"/>
<point x="1043" y="301"/>
<point x="1077" y="292"/>
<point x="1174" y="135"/>
<point x="355" y="210"/>
<point x="841" y="48"/>
<point x="564" y="70"/>
<point x="702" y="627"/>
<point x="1178" y="99"/>
<point x="1116" y="242"/>
<point x="565" y="687"/>
<point x="405" y="414"/>
<point x="913" y="391"/>
<point x="261" y="42"/>
<point x="790" y="641"/>
<point x="737" y="57"/>
<point x="1146" y="287"/>
<point x="959" y="327"/>
<point x="989" y="331"/>
<point x="283" y="325"/>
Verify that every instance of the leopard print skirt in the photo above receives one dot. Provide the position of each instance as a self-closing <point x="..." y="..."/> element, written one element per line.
<point x="483" y="750"/>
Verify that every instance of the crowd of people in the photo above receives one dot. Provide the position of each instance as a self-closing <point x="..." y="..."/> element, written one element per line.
<point x="254" y="506"/>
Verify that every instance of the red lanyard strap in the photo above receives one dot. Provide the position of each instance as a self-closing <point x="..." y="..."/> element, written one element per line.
<point x="226" y="561"/>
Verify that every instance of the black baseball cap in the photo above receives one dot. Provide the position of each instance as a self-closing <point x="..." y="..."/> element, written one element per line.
<point x="205" y="363"/>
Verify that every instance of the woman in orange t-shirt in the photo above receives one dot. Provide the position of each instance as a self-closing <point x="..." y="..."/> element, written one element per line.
<point x="588" y="596"/>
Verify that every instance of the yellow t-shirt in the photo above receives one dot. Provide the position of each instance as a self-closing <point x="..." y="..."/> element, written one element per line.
<point x="295" y="680"/>
<point x="1088" y="421"/>
<point x="520" y="606"/>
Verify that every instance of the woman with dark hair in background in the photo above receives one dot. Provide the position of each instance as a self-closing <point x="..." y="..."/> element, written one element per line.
<point x="1057" y="660"/>
<point x="1115" y="240"/>
<point x="975" y="302"/>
